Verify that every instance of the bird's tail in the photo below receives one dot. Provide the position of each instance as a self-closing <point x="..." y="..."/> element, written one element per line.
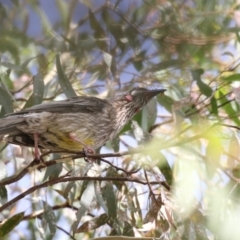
<point x="9" y="125"/>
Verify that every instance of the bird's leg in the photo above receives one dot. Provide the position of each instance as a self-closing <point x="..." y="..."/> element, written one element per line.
<point x="86" y="149"/>
<point x="36" y="150"/>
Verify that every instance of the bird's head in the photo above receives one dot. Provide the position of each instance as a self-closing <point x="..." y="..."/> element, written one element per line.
<point x="128" y="104"/>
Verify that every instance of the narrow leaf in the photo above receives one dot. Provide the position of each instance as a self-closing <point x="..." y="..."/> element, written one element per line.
<point x="53" y="171"/>
<point x="99" y="33"/>
<point x="93" y="223"/>
<point x="11" y="66"/>
<point x="107" y="58"/>
<point x="109" y="196"/>
<point x="6" y="100"/>
<point x="164" y="65"/>
<point x="139" y="134"/>
<point x="231" y="78"/>
<point x="99" y="197"/>
<point x="227" y="106"/>
<point x="85" y="203"/>
<point x="43" y="63"/>
<point x="49" y="218"/>
<point x="3" y="195"/>
<point x="149" y="114"/>
<point x="204" y="88"/>
<point x="30" y="102"/>
<point x="63" y="80"/>
<point x="166" y="102"/>
<point x="10" y="224"/>
<point x="214" y="106"/>
<point x="24" y="65"/>
<point x="38" y="88"/>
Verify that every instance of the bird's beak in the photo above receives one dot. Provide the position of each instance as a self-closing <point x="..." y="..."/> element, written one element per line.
<point x="152" y="93"/>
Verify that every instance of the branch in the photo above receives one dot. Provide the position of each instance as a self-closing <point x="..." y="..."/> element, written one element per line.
<point x="73" y="179"/>
<point x="67" y="233"/>
<point x="38" y="214"/>
<point x="33" y="166"/>
<point x="123" y="238"/>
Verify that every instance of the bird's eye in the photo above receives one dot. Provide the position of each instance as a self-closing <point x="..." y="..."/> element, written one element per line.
<point x="134" y="92"/>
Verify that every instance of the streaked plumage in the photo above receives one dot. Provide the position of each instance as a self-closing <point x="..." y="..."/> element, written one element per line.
<point x="92" y="120"/>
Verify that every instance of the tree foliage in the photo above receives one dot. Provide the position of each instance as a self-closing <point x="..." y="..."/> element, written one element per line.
<point x="173" y="172"/>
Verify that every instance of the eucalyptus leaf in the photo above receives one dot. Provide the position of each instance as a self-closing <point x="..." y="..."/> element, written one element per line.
<point x="11" y="66"/>
<point x="85" y="202"/>
<point x="109" y="197"/>
<point x="6" y="100"/>
<point x="38" y="88"/>
<point x="63" y="80"/>
<point x="10" y="224"/>
<point x="49" y="217"/>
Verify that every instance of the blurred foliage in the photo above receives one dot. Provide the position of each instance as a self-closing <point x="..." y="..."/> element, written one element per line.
<point x="59" y="49"/>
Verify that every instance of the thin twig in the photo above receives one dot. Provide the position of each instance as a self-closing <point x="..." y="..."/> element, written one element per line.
<point x="73" y="179"/>
<point x="38" y="214"/>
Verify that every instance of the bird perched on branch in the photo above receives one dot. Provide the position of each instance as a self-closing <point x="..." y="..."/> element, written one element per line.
<point x="74" y="124"/>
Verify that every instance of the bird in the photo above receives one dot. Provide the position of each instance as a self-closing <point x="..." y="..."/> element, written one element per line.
<point x="75" y="124"/>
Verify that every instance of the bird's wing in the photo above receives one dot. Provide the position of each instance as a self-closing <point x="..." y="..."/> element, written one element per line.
<point x="76" y="104"/>
<point x="8" y="124"/>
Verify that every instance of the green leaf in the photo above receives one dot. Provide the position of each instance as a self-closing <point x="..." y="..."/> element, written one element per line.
<point x="11" y="66"/>
<point x="49" y="218"/>
<point x="115" y="28"/>
<point x="231" y="78"/>
<point x="3" y="170"/>
<point x="99" y="33"/>
<point x="115" y="143"/>
<point x="85" y="202"/>
<point x="8" y="84"/>
<point x="99" y="197"/>
<point x="11" y="46"/>
<point x="63" y="8"/>
<point x="45" y="22"/>
<point x="38" y="88"/>
<point x="10" y="224"/>
<point x="138" y="64"/>
<point x="54" y="170"/>
<point x="3" y="195"/>
<point x="138" y="60"/>
<point x="30" y="102"/>
<point x="227" y="106"/>
<point x="204" y="88"/>
<point x="214" y="106"/>
<point x="234" y="153"/>
<point x="83" y="188"/>
<point x="63" y="80"/>
<point x="149" y="114"/>
<point x="93" y="223"/>
<point x="107" y="59"/>
<point x="163" y="65"/>
<point x="43" y="63"/>
<point x="6" y="100"/>
<point x="164" y="167"/>
<point x="165" y="101"/>
<point x="70" y="192"/>
<point x="139" y="134"/>
<point x="24" y="65"/>
<point x="109" y="197"/>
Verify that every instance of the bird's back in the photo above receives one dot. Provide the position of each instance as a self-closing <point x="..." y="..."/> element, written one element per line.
<point x="88" y="118"/>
